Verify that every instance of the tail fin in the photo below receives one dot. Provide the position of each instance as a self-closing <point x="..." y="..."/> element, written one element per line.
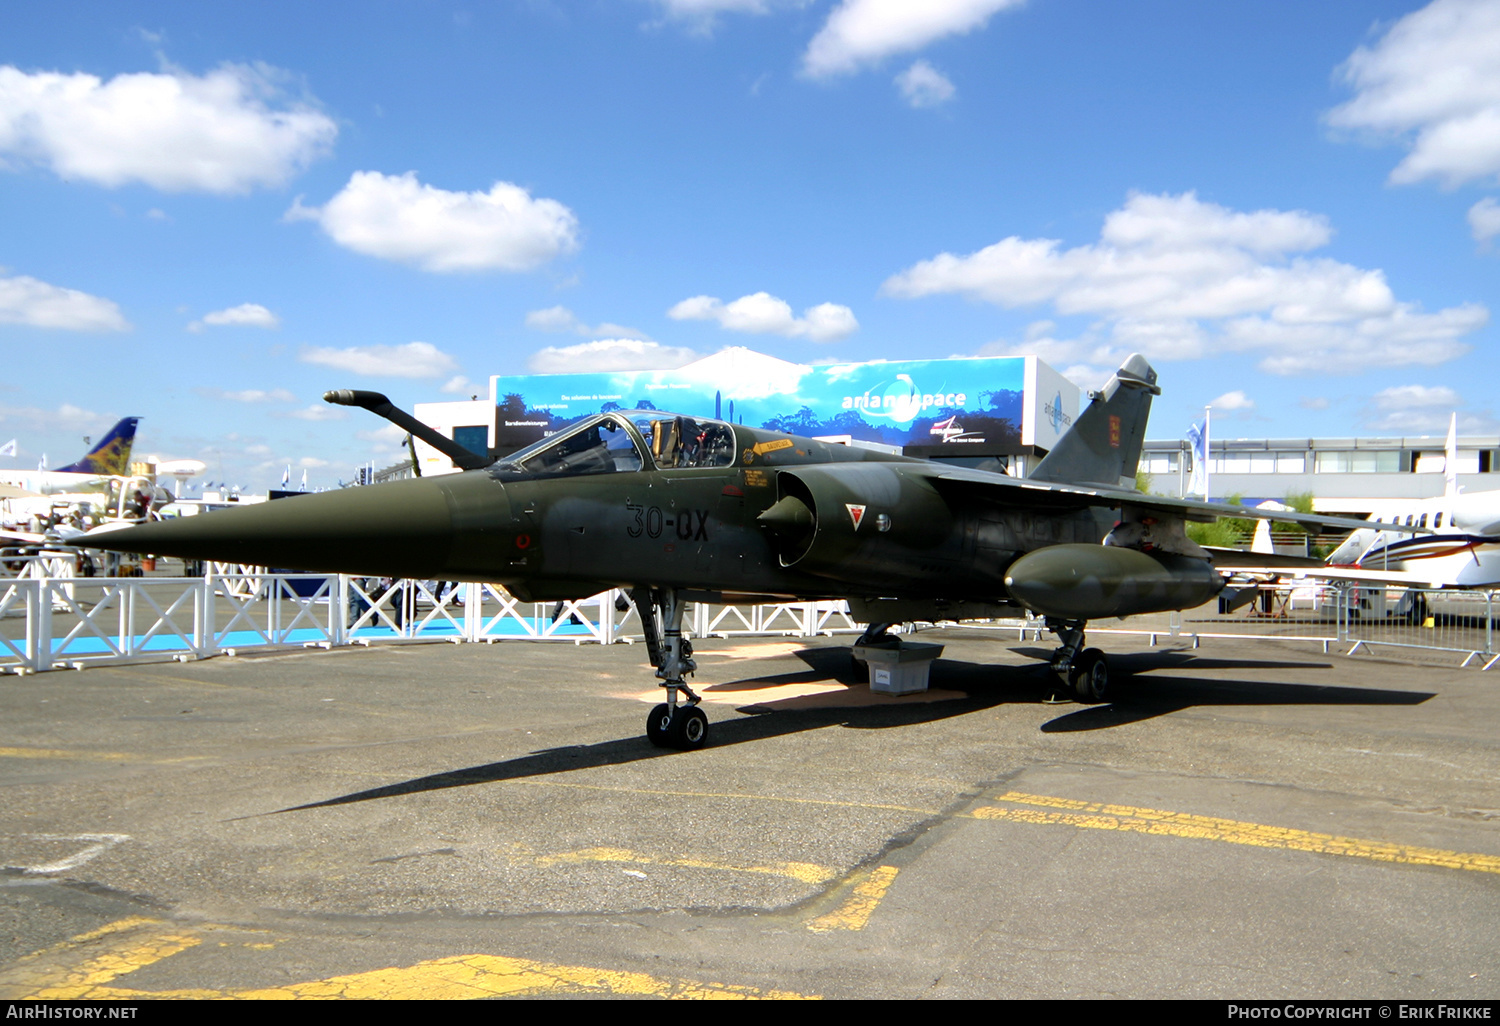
<point x="1103" y="447"/>
<point x="111" y="456"/>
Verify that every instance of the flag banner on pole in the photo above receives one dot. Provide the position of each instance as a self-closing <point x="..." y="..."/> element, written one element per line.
<point x="1195" y="436"/>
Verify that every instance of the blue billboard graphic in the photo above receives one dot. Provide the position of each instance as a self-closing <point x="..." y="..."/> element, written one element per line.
<point x="910" y="403"/>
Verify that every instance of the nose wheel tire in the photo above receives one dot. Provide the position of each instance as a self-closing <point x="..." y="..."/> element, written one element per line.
<point x="659" y="726"/>
<point x="689" y="728"/>
<point x="686" y="731"/>
<point x="1089" y="676"/>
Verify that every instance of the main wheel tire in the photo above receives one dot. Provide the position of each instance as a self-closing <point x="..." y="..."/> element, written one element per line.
<point x="689" y="728"/>
<point x="659" y="726"/>
<point x="1090" y="676"/>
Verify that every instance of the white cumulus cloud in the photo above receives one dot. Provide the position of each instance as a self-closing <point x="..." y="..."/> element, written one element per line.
<point x="228" y="131"/>
<point x="1432" y="82"/>
<point x="922" y="85"/>
<point x="861" y="32"/>
<point x="1411" y="397"/>
<point x="610" y="354"/>
<point x="318" y="411"/>
<point x="1177" y="278"/>
<point x="412" y="360"/>
<point x="251" y="315"/>
<point x="561" y="319"/>
<point x="1234" y="402"/>
<point x="67" y="417"/>
<point x="763" y="314"/>
<point x="25" y="300"/>
<point x="396" y="217"/>
<point x="387" y="438"/>
<point x="1484" y="219"/>
<point x="1420" y="409"/>
<point x="554" y="318"/>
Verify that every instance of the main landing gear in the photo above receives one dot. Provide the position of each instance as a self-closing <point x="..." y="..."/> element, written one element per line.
<point x="674" y="723"/>
<point x="1084" y="670"/>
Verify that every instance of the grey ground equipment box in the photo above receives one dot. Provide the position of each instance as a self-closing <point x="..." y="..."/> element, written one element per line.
<point x="898" y="671"/>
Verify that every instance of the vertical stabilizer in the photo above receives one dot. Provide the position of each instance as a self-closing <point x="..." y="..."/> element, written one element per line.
<point x="1103" y="447"/>
<point x="111" y="457"/>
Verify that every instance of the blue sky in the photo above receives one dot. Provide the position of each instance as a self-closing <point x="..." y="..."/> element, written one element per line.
<point x="213" y="213"/>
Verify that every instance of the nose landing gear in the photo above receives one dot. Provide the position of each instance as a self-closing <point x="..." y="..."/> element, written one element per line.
<point x="674" y="723"/>
<point x="685" y="728"/>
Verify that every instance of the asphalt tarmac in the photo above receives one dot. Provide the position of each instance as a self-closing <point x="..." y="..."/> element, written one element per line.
<point x="1245" y="820"/>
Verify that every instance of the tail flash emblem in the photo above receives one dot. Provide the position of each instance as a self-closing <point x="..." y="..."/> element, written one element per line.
<point x="1114" y="432"/>
<point x="856" y="513"/>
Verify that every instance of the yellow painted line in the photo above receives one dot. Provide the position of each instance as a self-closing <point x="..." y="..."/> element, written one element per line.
<point x="63" y="753"/>
<point x="79" y="756"/>
<point x="79" y="968"/>
<point x="485" y="976"/>
<point x="60" y="974"/>
<point x="805" y="872"/>
<point x="164" y="679"/>
<point x="1100" y="816"/>
<point x="855" y="911"/>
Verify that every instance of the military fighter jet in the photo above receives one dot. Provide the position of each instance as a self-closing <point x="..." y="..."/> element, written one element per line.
<point x="677" y="509"/>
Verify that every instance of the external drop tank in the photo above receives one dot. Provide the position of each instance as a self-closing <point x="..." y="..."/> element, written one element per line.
<point x="1087" y="582"/>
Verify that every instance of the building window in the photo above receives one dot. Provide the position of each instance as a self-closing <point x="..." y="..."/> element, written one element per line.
<point x="1359" y="462"/>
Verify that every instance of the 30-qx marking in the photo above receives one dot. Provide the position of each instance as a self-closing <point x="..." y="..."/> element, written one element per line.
<point x="691" y="525"/>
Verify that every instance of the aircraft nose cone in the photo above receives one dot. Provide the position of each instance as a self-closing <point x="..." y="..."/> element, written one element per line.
<point x="399" y="529"/>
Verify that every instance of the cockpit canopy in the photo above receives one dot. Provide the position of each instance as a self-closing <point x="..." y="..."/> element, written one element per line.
<point x="616" y="442"/>
<point x="677" y="441"/>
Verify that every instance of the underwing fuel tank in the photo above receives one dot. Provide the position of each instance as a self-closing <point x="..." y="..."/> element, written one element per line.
<point x="1088" y="582"/>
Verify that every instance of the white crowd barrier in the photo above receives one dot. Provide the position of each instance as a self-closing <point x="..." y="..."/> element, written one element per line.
<point x="1430" y="625"/>
<point x="51" y="619"/>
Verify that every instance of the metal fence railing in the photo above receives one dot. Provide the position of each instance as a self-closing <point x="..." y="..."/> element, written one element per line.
<point x="1432" y="625"/>
<point x="51" y="619"/>
<point x="1420" y="624"/>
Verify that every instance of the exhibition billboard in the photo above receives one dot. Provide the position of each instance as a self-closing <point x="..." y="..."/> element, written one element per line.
<point x="967" y="405"/>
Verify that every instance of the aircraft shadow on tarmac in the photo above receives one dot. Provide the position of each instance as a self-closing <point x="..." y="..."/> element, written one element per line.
<point x="1139" y="696"/>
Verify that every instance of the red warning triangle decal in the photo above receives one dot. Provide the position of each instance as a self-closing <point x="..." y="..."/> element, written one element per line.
<point x="856" y="513"/>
